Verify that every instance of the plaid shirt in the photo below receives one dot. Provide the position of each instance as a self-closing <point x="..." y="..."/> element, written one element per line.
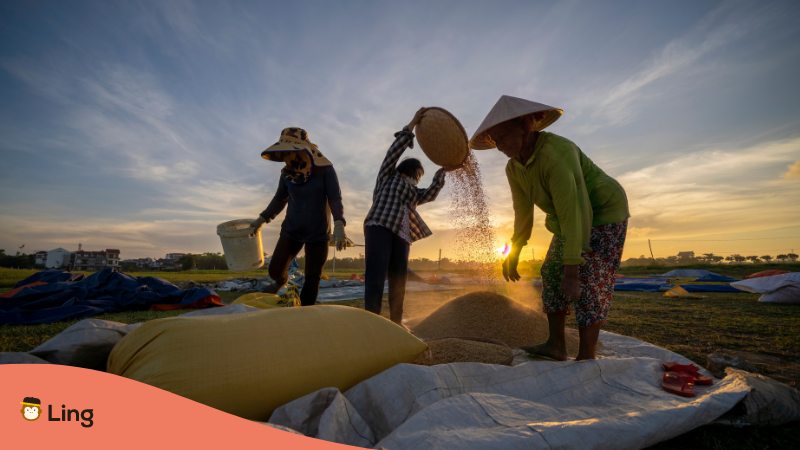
<point x="395" y="198"/>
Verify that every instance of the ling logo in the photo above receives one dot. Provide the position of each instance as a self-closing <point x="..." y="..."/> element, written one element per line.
<point x="31" y="408"/>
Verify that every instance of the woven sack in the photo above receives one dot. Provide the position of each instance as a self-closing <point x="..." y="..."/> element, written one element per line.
<point x="249" y="364"/>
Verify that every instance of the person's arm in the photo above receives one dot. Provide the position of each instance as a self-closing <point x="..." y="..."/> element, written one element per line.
<point x="523" y="212"/>
<point x="403" y="139"/>
<point x="278" y="201"/>
<point x="334" y="195"/>
<point x="430" y="194"/>
<point x="523" y="225"/>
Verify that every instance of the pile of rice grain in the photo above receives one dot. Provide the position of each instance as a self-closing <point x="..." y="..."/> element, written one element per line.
<point x="451" y="350"/>
<point x="487" y="315"/>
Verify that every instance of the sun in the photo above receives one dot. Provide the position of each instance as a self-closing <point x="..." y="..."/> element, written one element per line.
<point x="504" y="250"/>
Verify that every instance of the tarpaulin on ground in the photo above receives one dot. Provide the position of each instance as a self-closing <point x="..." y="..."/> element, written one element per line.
<point x="661" y="283"/>
<point x="698" y="275"/>
<point x="656" y="284"/>
<point x="50" y="276"/>
<point x="710" y="288"/>
<point x="41" y="301"/>
<point x="616" y="403"/>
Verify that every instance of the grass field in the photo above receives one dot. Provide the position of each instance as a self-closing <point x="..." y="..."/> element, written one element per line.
<point x="694" y="328"/>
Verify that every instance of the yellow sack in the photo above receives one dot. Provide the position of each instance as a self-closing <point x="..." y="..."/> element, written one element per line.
<point x="249" y="364"/>
<point x="259" y="300"/>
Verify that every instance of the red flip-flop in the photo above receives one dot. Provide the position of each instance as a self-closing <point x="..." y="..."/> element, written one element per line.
<point x="688" y="369"/>
<point x="678" y="383"/>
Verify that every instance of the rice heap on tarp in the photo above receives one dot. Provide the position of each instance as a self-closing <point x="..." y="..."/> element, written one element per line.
<point x="487" y="315"/>
<point x="450" y="350"/>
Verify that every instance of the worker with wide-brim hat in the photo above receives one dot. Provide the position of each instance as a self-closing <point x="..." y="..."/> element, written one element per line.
<point x="587" y="212"/>
<point x="309" y="186"/>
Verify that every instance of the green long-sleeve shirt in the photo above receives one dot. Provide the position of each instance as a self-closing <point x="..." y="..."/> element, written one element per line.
<point x="574" y="193"/>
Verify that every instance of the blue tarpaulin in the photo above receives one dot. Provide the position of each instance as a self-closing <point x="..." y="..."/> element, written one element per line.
<point x="664" y="282"/>
<point x="51" y="296"/>
<point x="710" y="288"/>
<point x="656" y="284"/>
<point x="698" y="275"/>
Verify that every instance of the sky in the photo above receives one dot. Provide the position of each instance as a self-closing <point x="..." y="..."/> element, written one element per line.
<point x="138" y="125"/>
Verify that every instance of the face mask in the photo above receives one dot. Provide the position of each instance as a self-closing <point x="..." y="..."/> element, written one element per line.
<point x="298" y="167"/>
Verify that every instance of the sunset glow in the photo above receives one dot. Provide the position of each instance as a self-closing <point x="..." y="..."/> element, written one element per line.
<point x="141" y="128"/>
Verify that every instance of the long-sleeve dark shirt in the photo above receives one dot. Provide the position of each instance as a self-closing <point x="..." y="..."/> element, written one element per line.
<point x="308" y="217"/>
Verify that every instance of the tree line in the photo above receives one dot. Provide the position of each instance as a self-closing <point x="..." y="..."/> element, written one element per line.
<point x="216" y="261"/>
<point x="710" y="258"/>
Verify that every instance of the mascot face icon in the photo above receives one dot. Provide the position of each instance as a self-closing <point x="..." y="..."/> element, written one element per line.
<point x="31" y="408"/>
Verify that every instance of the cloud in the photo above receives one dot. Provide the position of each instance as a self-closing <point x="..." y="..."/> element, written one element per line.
<point x="693" y="194"/>
<point x="682" y="57"/>
<point x="793" y="172"/>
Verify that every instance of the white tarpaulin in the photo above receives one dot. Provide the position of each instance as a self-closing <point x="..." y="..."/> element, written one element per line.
<point x="613" y="402"/>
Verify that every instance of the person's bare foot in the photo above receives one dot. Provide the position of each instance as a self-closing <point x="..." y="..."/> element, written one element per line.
<point x="547" y="350"/>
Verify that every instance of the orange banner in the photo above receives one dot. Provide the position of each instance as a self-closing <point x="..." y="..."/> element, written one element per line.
<point x="54" y="406"/>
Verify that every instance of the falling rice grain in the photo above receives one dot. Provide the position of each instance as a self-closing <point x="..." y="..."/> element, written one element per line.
<point x="470" y="215"/>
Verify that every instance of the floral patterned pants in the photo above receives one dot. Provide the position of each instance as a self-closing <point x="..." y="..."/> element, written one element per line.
<point x="596" y="274"/>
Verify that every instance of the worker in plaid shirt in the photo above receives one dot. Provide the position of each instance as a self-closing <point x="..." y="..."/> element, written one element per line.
<point x="393" y="223"/>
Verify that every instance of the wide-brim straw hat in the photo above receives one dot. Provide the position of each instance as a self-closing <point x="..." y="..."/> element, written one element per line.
<point x="442" y="137"/>
<point x="294" y="139"/>
<point x="509" y="108"/>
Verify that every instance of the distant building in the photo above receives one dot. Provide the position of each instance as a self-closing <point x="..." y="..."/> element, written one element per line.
<point x="57" y="258"/>
<point x="87" y="260"/>
<point x="175" y="256"/>
<point x="169" y="263"/>
<point x="153" y="264"/>
<point x="138" y="263"/>
<point x="686" y="255"/>
<point x="40" y="259"/>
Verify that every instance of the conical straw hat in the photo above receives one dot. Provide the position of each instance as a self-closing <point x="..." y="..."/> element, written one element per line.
<point x="442" y="138"/>
<point x="508" y="108"/>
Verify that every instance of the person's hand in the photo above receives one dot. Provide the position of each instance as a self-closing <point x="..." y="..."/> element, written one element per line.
<point x="417" y="118"/>
<point x="339" y="236"/>
<point x="571" y="284"/>
<point x="256" y="224"/>
<point x="510" y="265"/>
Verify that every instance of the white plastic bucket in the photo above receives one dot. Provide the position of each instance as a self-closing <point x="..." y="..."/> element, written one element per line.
<point x="242" y="251"/>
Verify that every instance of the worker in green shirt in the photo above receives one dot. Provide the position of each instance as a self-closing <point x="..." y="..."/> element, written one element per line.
<point x="587" y="212"/>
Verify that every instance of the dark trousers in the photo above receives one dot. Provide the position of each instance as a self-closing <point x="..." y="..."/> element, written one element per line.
<point x="285" y="250"/>
<point x="385" y="253"/>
